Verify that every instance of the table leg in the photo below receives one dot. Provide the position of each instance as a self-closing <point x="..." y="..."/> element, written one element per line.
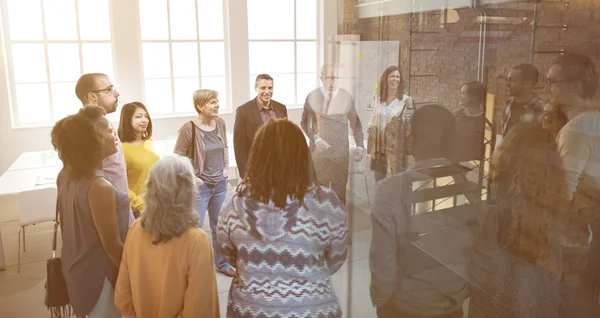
<point x="2" y="263"/>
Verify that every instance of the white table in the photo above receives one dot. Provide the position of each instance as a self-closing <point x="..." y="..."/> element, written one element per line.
<point x="37" y="169"/>
<point x="36" y="159"/>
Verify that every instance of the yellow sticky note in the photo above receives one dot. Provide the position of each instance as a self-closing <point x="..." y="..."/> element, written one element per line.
<point x="361" y="55"/>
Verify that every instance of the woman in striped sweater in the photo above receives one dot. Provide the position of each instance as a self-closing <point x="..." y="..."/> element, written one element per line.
<point x="285" y="236"/>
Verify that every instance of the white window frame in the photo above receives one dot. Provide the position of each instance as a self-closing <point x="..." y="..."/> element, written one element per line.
<point x="127" y="60"/>
<point x="228" y="109"/>
<point x="6" y="46"/>
<point x="318" y="37"/>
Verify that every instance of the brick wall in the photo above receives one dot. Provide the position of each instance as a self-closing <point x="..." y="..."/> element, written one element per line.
<point x="455" y="61"/>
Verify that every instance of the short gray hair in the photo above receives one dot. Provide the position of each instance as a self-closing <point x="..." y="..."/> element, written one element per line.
<point x="170" y="199"/>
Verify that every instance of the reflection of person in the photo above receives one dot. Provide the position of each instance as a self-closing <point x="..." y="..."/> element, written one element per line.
<point x="572" y="82"/>
<point x="96" y="89"/>
<point x="328" y="111"/>
<point x="135" y="131"/>
<point x="94" y="214"/>
<point x="523" y="104"/>
<point x="389" y="125"/>
<point x="168" y="266"/>
<point x="515" y="265"/>
<point x="285" y="235"/>
<point x="253" y="114"/>
<point x="470" y="123"/>
<point x="404" y="281"/>
<point x="204" y="141"/>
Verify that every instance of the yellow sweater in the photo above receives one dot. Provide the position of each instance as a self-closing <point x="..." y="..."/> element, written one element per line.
<point x="172" y="279"/>
<point x="139" y="160"/>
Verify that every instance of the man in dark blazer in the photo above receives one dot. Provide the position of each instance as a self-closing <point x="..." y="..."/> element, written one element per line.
<point x="250" y="116"/>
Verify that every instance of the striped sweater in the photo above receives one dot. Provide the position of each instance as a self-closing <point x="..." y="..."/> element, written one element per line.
<point x="285" y="258"/>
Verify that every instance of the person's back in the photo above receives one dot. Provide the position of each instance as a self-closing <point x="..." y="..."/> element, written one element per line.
<point x="159" y="274"/>
<point x="285" y="258"/>
<point x="515" y="266"/>
<point x="504" y="284"/>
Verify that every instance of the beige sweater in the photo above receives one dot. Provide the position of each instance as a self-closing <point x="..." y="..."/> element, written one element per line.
<point x="172" y="279"/>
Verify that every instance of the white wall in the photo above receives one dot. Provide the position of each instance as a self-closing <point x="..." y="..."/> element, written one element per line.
<point x="13" y="142"/>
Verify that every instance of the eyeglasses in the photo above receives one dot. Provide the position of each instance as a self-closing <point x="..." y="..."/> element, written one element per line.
<point x="331" y="77"/>
<point x="551" y="81"/>
<point x="110" y="89"/>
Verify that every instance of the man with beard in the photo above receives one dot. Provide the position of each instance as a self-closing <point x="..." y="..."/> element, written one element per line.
<point x="328" y="111"/>
<point x="250" y="116"/>
<point x="523" y="104"/>
<point x="96" y="89"/>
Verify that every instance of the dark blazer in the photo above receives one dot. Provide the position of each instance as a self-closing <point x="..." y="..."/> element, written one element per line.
<point x="247" y="122"/>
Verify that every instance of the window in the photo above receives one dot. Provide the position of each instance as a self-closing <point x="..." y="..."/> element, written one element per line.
<point x="50" y="44"/>
<point x="155" y="51"/>
<point x="287" y="52"/>
<point x="183" y="49"/>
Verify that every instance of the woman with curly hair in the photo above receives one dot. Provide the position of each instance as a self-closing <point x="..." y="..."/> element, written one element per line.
<point x="93" y="213"/>
<point x="168" y="264"/>
<point x="515" y="266"/>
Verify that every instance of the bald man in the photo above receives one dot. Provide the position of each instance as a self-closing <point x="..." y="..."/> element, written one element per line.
<point x="327" y="112"/>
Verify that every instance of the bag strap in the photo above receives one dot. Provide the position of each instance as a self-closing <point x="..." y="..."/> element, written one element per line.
<point x="56" y="224"/>
<point x="192" y="149"/>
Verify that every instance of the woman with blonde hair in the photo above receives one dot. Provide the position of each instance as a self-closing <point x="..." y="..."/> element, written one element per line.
<point x="204" y="141"/>
<point x="168" y="268"/>
<point x="389" y="125"/>
<point x="285" y="235"/>
<point x="515" y="266"/>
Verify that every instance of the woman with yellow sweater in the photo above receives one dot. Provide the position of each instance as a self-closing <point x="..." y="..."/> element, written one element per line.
<point x="135" y="132"/>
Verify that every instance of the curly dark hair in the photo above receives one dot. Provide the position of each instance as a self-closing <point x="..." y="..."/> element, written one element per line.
<point x="78" y="141"/>
<point x="279" y="166"/>
<point x="527" y="175"/>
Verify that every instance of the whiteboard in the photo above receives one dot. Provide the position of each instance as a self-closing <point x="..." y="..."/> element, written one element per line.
<point x="361" y="64"/>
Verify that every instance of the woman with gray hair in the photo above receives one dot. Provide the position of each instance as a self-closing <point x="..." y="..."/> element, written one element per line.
<point x="167" y="268"/>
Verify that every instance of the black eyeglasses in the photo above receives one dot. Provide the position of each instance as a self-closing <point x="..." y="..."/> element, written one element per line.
<point x="551" y="81"/>
<point x="110" y="89"/>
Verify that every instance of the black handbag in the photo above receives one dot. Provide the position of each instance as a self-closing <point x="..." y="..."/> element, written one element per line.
<point x="57" y="296"/>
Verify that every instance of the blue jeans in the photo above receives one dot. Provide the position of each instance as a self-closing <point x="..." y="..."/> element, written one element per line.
<point x="211" y="198"/>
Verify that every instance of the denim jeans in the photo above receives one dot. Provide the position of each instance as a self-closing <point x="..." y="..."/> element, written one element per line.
<point x="105" y="306"/>
<point x="211" y="197"/>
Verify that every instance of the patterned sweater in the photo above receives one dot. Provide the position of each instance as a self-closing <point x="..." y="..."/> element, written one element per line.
<point x="285" y="258"/>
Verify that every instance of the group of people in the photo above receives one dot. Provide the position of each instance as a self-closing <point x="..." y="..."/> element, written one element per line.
<point x="282" y="232"/>
<point x="279" y="220"/>
<point x="535" y="253"/>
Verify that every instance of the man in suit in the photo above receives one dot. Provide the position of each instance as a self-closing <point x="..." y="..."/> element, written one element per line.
<point x="253" y="114"/>
<point x="523" y="104"/>
<point x="327" y="112"/>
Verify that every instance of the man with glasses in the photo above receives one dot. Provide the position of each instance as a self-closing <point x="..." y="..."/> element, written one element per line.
<point x="523" y="104"/>
<point x="571" y="83"/>
<point x="327" y="112"/>
<point x="96" y="89"/>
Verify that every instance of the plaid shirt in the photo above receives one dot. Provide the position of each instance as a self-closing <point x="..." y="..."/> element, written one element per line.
<point x="116" y="171"/>
<point x="534" y="110"/>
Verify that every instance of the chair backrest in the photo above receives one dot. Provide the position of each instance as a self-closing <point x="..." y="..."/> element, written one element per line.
<point x="37" y="205"/>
